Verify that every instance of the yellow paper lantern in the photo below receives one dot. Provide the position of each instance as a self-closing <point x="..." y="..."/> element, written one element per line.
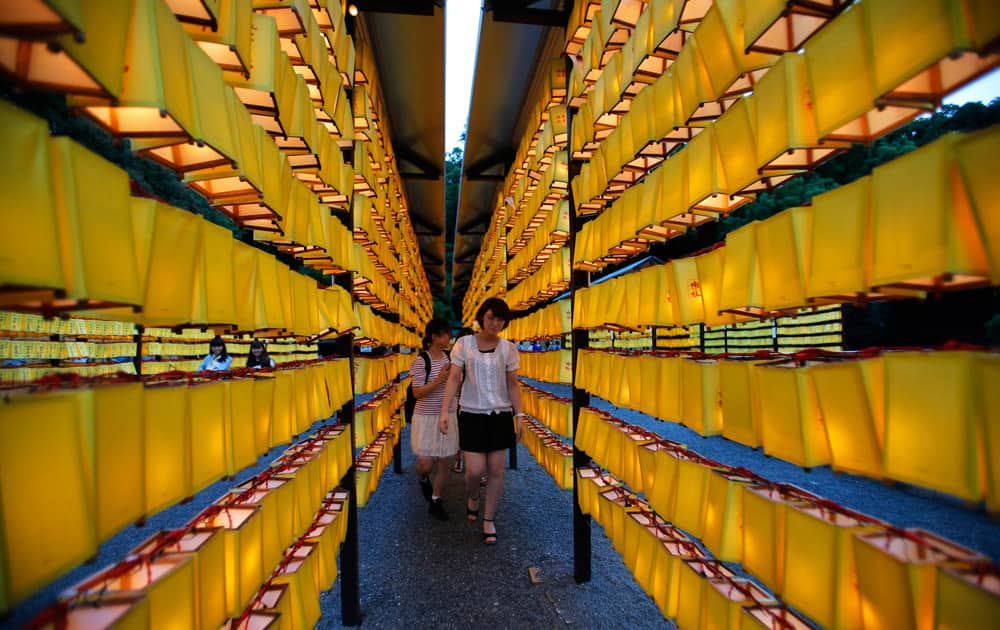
<point x="45" y="503"/>
<point x="167" y="447"/>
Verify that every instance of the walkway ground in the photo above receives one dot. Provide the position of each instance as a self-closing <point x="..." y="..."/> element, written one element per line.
<point x="417" y="572"/>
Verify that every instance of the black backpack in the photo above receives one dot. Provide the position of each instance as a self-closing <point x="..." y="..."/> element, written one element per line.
<point x="411" y="400"/>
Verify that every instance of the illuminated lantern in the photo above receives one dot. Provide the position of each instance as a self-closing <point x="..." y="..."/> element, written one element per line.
<point x="692" y="496"/>
<point x="844" y="401"/>
<point x="904" y="70"/>
<point x="283" y="410"/>
<point x="207" y="549"/>
<point x="242" y="535"/>
<point x="95" y="214"/>
<point x="932" y="244"/>
<point x="700" y="408"/>
<point x="840" y="68"/>
<point x="774" y="617"/>
<point x="980" y="190"/>
<point x="693" y="582"/>
<point x="276" y="602"/>
<point x="725" y="599"/>
<point x="168" y="583"/>
<point x="742" y="293"/>
<point x="27" y="184"/>
<point x="787" y="138"/>
<point x="764" y="510"/>
<point x="663" y="496"/>
<point x="920" y="389"/>
<point x="62" y="61"/>
<point x="897" y="575"/>
<point x="45" y="494"/>
<point x="118" y="457"/>
<point x="723" y="530"/>
<point x="173" y="262"/>
<point x="276" y="498"/>
<point x="965" y="597"/>
<point x="300" y="573"/>
<point x="791" y="424"/>
<point x="740" y="416"/>
<point x="263" y="404"/>
<point x="782" y="249"/>
<point x="820" y="577"/>
<point x="207" y="417"/>
<point x="240" y="424"/>
<point x="838" y="252"/>
<point x="229" y="44"/>
<point x="323" y="534"/>
<point x="167" y="446"/>
<point x="215" y="277"/>
<point x="127" y="611"/>
<point x="671" y="390"/>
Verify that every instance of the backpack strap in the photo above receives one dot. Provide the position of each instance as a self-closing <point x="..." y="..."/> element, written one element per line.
<point x="427" y="366"/>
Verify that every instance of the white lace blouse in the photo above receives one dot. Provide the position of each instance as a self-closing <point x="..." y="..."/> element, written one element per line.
<point x="484" y="388"/>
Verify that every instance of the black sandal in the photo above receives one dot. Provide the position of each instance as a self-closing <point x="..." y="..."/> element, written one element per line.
<point x="486" y="536"/>
<point x="472" y="515"/>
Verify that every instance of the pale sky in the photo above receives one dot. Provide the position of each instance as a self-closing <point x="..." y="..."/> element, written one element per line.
<point x="461" y="44"/>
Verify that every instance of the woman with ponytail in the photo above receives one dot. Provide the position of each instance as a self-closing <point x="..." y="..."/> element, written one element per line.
<point x="433" y="448"/>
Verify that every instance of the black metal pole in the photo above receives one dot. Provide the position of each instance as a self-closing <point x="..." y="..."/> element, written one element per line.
<point x="581" y="339"/>
<point x="139" y="330"/>
<point x="350" y="596"/>
<point x="350" y="589"/>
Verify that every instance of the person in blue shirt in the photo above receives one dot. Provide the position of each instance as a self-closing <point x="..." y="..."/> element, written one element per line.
<point x="217" y="359"/>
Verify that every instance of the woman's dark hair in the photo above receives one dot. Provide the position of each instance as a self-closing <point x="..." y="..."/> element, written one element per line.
<point x="499" y="308"/>
<point x="436" y="326"/>
<point x="263" y="361"/>
<point x="217" y="341"/>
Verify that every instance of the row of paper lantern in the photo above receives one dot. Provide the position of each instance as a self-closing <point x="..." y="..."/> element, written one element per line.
<point x="379" y="331"/>
<point x="687" y="585"/>
<point x="554" y="366"/>
<point x="489" y="272"/>
<point x="376" y="415"/>
<point x="260" y="189"/>
<point x="848" y="242"/>
<point x="542" y="192"/>
<point x="877" y="25"/>
<point x="172" y="96"/>
<point x="551" y="279"/>
<point x="554" y="412"/>
<point x="264" y="550"/>
<point x="373" y="459"/>
<point x="83" y="224"/>
<point x="549" y="237"/>
<point x="372" y="374"/>
<point x="842" y="568"/>
<point x="550" y="321"/>
<point x="867" y="416"/>
<point x="545" y="130"/>
<point x="150" y="448"/>
<point x="551" y="453"/>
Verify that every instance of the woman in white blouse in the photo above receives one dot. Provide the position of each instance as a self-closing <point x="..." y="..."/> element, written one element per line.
<point x="484" y="376"/>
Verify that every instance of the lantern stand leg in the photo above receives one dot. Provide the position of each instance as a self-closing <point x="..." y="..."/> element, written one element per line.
<point x="512" y="457"/>
<point x="139" y="329"/>
<point x="582" y="553"/>
<point x="350" y="597"/>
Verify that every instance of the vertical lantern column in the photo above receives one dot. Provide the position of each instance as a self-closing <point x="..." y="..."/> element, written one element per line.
<point x="580" y="340"/>
<point x="350" y="597"/>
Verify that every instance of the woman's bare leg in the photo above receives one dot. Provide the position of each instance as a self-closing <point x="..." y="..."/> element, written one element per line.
<point x="495" y="463"/>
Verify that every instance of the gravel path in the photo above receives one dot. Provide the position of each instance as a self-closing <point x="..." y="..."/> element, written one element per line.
<point x="418" y="572"/>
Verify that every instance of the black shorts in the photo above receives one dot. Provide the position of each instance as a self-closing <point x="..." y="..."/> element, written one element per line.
<point x="486" y="432"/>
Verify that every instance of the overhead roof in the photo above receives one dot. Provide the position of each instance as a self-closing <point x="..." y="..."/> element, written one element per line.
<point x="407" y="40"/>
<point x="512" y="41"/>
